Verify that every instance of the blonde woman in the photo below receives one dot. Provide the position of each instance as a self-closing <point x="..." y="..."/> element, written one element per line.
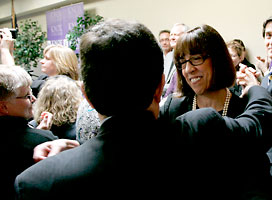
<point x="60" y="98"/>
<point x="58" y="60"/>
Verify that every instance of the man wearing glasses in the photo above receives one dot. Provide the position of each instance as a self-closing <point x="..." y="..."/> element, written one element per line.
<point x="19" y="139"/>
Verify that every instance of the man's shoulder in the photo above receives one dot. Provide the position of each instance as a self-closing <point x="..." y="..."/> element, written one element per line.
<point x="175" y="105"/>
<point x="40" y="133"/>
<point x="64" y="169"/>
<point x="269" y="88"/>
<point x="20" y="131"/>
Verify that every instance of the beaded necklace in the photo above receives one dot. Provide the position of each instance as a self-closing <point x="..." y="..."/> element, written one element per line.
<point x="226" y="104"/>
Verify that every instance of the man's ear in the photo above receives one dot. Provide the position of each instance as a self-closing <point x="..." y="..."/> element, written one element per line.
<point x="84" y="93"/>
<point x="159" y="90"/>
<point x="3" y="108"/>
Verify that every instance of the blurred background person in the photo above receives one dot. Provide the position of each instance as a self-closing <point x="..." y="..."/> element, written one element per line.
<point x="58" y="60"/>
<point x="244" y="55"/>
<point x="263" y="65"/>
<point x="237" y="55"/>
<point x="165" y="41"/>
<point x="61" y="97"/>
<point x="263" y="73"/>
<point x="236" y="52"/>
<point x="169" y="66"/>
<point x="266" y="64"/>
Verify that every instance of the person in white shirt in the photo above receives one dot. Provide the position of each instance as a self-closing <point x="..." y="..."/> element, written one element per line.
<point x="169" y="67"/>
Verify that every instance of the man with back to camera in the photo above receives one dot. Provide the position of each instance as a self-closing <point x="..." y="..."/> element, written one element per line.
<point x="130" y="154"/>
<point x="133" y="155"/>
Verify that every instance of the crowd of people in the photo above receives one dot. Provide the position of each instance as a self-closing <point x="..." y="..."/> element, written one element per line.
<point x="193" y="122"/>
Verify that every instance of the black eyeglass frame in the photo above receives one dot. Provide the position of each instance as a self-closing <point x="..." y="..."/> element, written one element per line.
<point x="181" y="65"/>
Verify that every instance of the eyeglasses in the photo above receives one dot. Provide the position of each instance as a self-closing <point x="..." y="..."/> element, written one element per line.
<point x="194" y="60"/>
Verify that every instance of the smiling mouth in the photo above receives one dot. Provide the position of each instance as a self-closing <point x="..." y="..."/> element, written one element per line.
<point x="193" y="80"/>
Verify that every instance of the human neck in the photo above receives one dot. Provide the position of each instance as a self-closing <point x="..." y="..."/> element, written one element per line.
<point x="154" y="108"/>
<point x="214" y="99"/>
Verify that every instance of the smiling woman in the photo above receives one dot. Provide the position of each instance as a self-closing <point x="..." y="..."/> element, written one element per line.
<point x="205" y="73"/>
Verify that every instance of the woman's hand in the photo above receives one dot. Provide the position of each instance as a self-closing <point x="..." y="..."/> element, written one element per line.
<point x="46" y="121"/>
<point x="247" y="77"/>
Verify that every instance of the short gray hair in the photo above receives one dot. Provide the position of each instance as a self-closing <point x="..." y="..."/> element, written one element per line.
<point x="185" y="27"/>
<point x="12" y="78"/>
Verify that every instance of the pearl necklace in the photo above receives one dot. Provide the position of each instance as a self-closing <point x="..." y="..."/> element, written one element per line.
<point x="226" y="104"/>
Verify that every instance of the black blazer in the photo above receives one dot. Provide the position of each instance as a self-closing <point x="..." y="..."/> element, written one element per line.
<point x="65" y="131"/>
<point x="37" y="84"/>
<point x="131" y="156"/>
<point x="269" y="89"/>
<point x="17" y="147"/>
<point x="135" y="156"/>
<point x="230" y="153"/>
<point x="265" y="81"/>
<point x="174" y="107"/>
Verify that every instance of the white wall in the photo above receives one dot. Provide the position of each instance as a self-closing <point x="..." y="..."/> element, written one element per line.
<point x="232" y="19"/>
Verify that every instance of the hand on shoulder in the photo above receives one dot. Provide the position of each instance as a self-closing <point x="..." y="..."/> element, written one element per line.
<point x="51" y="148"/>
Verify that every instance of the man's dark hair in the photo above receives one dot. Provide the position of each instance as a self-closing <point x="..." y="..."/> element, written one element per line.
<point x="164" y="31"/>
<point x="265" y="23"/>
<point x="122" y="65"/>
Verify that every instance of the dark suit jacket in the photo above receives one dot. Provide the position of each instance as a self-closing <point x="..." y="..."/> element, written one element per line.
<point x="66" y="131"/>
<point x="136" y="157"/>
<point x="174" y="107"/>
<point x="131" y="156"/>
<point x="269" y="89"/>
<point x="17" y="147"/>
<point x="37" y="84"/>
<point x="248" y="64"/>
<point x="229" y="153"/>
<point x="265" y="81"/>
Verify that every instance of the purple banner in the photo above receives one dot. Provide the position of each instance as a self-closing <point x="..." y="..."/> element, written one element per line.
<point x="60" y="21"/>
